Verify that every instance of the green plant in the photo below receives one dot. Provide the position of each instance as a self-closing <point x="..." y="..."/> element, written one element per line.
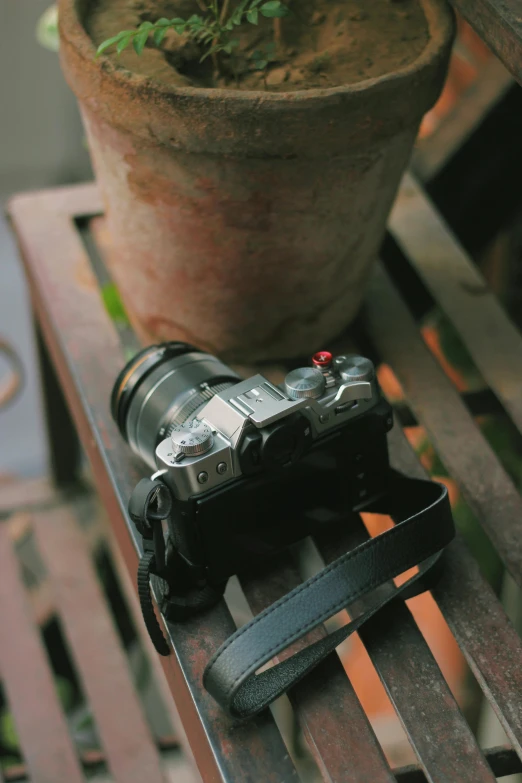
<point x="260" y="58"/>
<point x="212" y="31"/>
<point x="114" y="305"/>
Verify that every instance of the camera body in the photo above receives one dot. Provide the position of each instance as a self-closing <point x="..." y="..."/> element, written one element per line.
<point x="252" y="467"/>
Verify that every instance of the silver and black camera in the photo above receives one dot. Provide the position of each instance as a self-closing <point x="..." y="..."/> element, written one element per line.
<point x="245" y="468"/>
<point x="251" y="467"/>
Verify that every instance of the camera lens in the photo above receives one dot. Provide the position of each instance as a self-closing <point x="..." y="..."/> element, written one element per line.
<point x="162" y="387"/>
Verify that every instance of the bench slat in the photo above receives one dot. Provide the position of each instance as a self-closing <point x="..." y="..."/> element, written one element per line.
<point x="473" y="612"/>
<point x="502" y="760"/>
<point x="129" y="748"/>
<point x="154" y="659"/>
<point x="439" y="408"/>
<point x="438" y="732"/>
<point x="492" y="646"/>
<point x="17" y="495"/>
<point x="44" y="736"/>
<point x="458" y="287"/>
<point x="337" y="730"/>
<point x="433" y="152"/>
<point x="499" y="24"/>
<point x="476" y="617"/>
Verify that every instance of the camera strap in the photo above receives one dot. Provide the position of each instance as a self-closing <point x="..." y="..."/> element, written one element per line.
<point x="150" y="503"/>
<point x="423" y="528"/>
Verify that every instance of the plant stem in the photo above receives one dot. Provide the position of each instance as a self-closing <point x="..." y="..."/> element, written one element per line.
<point x="278" y="32"/>
<point x="224" y="12"/>
<point x="215" y="61"/>
<point x="217" y="16"/>
<point x="202" y="6"/>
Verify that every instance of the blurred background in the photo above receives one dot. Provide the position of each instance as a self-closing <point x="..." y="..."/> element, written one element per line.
<point x="41" y="145"/>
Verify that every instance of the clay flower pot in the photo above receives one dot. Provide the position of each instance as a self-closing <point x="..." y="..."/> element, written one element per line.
<point x="247" y="222"/>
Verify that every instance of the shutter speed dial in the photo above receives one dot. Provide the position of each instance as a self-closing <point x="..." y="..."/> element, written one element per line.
<point x="192" y="439"/>
<point x="305" y="382"/>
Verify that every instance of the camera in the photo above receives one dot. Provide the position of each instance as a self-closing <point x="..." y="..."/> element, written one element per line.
<point x="252" y="467"/>
<point x="244" y="469"/>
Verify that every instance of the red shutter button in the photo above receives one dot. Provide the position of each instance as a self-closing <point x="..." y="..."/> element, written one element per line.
<point x="322" y="360"/>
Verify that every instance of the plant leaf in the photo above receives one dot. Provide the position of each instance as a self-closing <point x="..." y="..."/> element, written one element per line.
<point x="260" y="65"/>
<point x="216" y="48"/>
<point x="253" y="15"/>
<point x="140" y="40"/>
<point x="113" y="304"/>
<point x="106" y="44"/>
<point x="159" y="35"/>
<point x="273" y="9"/>
<point x="166" y="22"/>
<point x="8" y="731"/>
<point x="178" y="24"/>
<point x="124" y="42"/>
<point x="239" y="12"/>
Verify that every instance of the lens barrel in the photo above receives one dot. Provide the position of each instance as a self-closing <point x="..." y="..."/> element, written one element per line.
<point x="161" y="387"/>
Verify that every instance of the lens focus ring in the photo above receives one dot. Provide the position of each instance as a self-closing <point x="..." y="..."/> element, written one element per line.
<point x="164" y="387"/>
<point x="196" y="399"/>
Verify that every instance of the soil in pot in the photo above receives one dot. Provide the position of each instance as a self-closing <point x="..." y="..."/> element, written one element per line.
<point x="324" y="43"/>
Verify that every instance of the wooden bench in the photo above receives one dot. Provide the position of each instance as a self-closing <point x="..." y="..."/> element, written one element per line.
<point x="61" y="238"/>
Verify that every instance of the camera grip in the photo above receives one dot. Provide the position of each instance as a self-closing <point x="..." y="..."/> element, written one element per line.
<point x="423" y="528"/>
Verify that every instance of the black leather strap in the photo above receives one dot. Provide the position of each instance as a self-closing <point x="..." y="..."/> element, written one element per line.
<point x="423" y="527"/>
<point x="149" y="503"/>
<point x="146" y="568"/>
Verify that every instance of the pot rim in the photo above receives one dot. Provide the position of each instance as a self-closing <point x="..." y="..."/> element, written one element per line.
<point x="439" y="17"/>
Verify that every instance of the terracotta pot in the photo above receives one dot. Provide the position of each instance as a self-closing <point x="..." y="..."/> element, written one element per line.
<point x="247" y="222"/>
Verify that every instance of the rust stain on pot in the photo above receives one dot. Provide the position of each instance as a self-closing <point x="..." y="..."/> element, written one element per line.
<point x="206" y="198"/>
<point x="252" y="213"/>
